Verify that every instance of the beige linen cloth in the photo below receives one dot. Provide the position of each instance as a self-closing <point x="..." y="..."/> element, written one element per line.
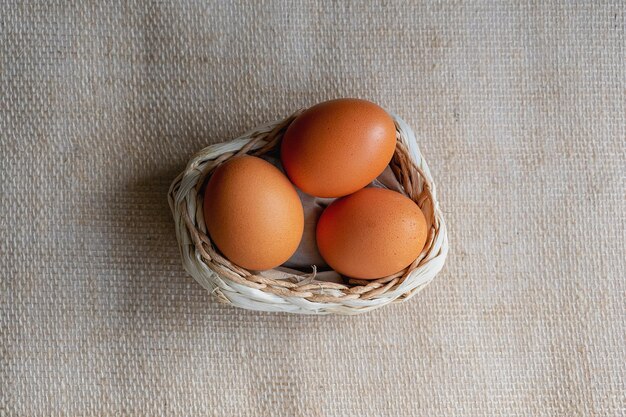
<point x="520" y="111"/>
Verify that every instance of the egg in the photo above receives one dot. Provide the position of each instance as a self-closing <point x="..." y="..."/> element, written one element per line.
<point x="338" y="147"/>
<point x="371" y="234"/>
<point x="253" y="213"/>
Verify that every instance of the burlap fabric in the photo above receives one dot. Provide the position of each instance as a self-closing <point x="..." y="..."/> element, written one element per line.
<point x="520" y="109"/>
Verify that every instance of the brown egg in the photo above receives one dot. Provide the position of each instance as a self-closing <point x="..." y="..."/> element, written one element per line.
<point x="253" y="213"/>
<point x="371" y="234"/>
<point x="338" y="147"/>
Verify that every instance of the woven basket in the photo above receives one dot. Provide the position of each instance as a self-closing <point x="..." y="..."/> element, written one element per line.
<point x="301" y="292"/>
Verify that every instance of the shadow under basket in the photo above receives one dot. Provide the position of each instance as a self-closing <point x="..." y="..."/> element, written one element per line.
<point x="301" y="292"/>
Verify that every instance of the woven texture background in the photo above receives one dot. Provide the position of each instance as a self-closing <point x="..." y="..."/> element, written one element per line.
<point x="520" y="110"/>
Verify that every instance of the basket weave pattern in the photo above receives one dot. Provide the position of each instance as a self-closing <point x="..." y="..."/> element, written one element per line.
<point x="301" y="292"/>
